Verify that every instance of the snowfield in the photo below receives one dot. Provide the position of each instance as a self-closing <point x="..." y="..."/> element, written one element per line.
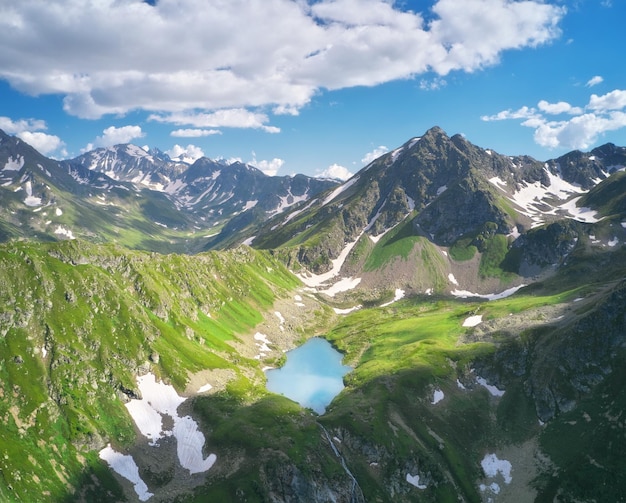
<point x="159" y="400"/>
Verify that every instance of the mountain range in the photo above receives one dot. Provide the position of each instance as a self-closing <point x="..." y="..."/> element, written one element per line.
<point x="479" y="298"/>
<point x="138" y="198"/>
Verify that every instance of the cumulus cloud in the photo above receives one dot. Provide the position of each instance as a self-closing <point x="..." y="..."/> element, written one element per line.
<point x="580" y="131"/>
<point x="194" y="133"/>
<point x="43" y="142"/>
<point x="189" y="154"/>
<point x="374" y="154"/>
<point x="112" y="57"/>
<point x="117" y="135"/>
<point x="594" y="81"/>
<point x="10" y="126"/>
<point x="562" y="107"/>
<point x="29" y="130"/>
<point x="335" y="171"/>
<point x="270" y="168"/>
<point x="615" y="100"/>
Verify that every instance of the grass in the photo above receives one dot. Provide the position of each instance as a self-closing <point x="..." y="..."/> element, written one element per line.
<point x="100" y="312"/>
<point x="399" y="242"/>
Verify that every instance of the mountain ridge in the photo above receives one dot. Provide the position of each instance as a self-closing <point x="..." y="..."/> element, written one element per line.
<point x="150" y="201"/>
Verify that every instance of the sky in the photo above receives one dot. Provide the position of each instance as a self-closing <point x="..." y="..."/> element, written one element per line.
<point x="319" y="87"/>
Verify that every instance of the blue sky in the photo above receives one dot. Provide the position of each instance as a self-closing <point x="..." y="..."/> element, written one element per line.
<point x="316" y="87"/>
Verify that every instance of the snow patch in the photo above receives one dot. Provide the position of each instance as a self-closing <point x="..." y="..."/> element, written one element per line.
<point x="346" y="311"/>
<point x="314" y="280"/>
<point x="343" y="285"/>
<point x="249" y="205"/>
<point x="14" y="164"/>
<point x="472" y="321"/>
<point x="64" y="231"/>
<point x="437" y="397"/>
<point x="492" y="466"/>
<point x="262" y="344"/>
<point x="489" y="296"/>
<point x="493" y="390"/>
<point x="452" y="279"/>
<point x="494" y="487"/>
<point x="206" y="387"/>
<point x="58" y="212"/>
<point x="398" y="295"/>
<point x="124" y="465"/>
<point x="414" y="480"/>
<point x="161" y="399"/>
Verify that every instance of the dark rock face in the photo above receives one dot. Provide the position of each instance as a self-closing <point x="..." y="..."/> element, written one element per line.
<point x="285" y="483"/>
<point x="543" y="247"/>
<point x="559" y="366"/>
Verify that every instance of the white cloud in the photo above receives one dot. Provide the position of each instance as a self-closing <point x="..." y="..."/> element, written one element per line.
<point x="270" y="168"/>
<point x="116" y="135"/>
<point x="113" y="57"/>
<point x="335" y="171"/>
<point x="194" y="133"/>
<point x="594" y="81"/>
<point x="28" y="130"/>
<point x="615" y="100"/>
<point x="233" y="118"/>
<point x="522" y="113"/>
<point x="580" y="132"/>
<point x="190" y="153"/>
<point x="562" y="107"/>
<point x="586" y="126"/>
<point x="374" y="154"/>
<point x="43" y="142"/>
<point x="10" y="126"/>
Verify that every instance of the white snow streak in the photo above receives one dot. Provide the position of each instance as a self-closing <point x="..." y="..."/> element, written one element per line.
<point x="125" y="465"/>
<point x="493" y="390"/>
<point x="489" y="296"/>
<point x="398" y="295"/>
<point x="340" y="189"/>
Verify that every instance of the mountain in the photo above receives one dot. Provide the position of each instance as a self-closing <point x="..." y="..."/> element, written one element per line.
<point x="437" y="196"/>
<point x="480" y="300"/>
<point x="137" y="198"/>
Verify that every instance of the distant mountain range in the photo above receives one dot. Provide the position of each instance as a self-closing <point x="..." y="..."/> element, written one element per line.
<point x="138" y="198"/>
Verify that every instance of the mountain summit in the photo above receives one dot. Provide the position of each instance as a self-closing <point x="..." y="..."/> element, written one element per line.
<point x="449" y="196"/>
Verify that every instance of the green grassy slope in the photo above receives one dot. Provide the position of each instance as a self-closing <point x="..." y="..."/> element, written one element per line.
<point x="80" y="321"/>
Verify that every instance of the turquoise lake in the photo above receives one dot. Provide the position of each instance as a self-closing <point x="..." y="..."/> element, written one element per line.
<point x="312" y="375"/>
